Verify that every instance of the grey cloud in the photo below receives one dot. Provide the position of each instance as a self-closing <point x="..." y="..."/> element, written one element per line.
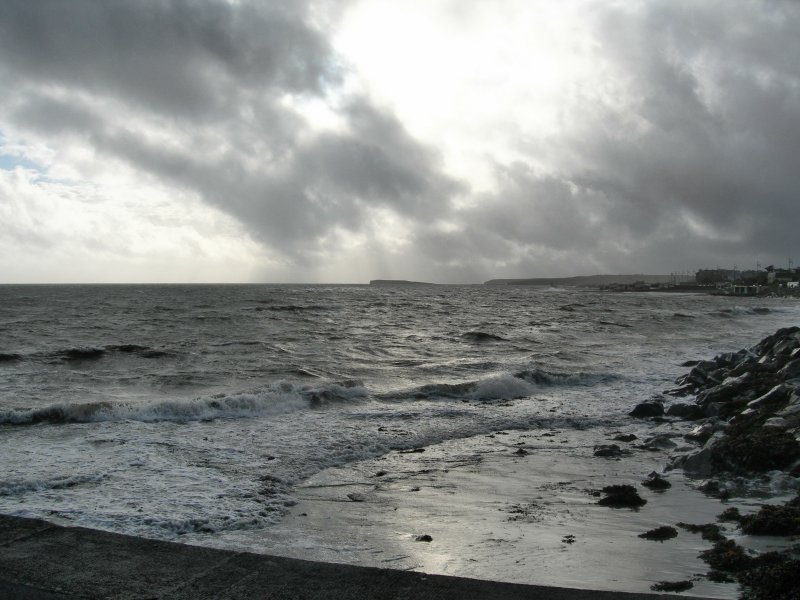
<point x="685" y="157"/>
<point x="185" y="58"/>
<point x="692" y="163"/>
<point x="708" y="129"/>
<point x="331" y="180"/>
<point x="43" y="113"/>
<point x="218" y="72"/>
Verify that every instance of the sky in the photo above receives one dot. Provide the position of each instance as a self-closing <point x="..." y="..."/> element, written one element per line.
<point x="436" y="140"/>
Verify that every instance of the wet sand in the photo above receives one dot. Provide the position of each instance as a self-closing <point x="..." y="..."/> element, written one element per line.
<point x="495" y="514"/>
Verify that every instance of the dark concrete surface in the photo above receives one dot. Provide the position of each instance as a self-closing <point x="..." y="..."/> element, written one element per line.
<point x="42" y="561"/>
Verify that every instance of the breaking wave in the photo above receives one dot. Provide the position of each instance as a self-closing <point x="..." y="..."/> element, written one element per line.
<point x="83" y="353"/>
<point x="738" y="311"/>
<point x="502" y="386"/>
<point x="279" y="398"/>
<point x="18" y="488"/>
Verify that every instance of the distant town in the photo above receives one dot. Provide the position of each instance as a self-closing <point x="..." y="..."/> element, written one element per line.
<point x="769" y="281"/>
<point x="756" y="282"/>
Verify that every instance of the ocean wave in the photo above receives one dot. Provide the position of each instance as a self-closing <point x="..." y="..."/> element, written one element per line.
<point x="501" y="386"/>
<point x="143" y="351"/>
<point x="87" y="353"/>
<point x="294" y="307"/>
<point x="443" y="390"/>
<point x="279" y="398"/>
<point x="79" y="353"/>
<point x="739" y="311"/>
<point x="613" y="324"/>
<point x="581" y="378"/>
<point x="18" y="488"/>
<point x="482" y="336"/>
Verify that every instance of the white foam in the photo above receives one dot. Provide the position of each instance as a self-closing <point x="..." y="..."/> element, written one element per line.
<point x="21" y="487"/>
<point x="277" y="398"/>
<point x="502" y="387"/>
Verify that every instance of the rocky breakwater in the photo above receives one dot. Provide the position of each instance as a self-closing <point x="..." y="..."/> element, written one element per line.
<point x="747" y="405"/>
<point x="746" y="416"/>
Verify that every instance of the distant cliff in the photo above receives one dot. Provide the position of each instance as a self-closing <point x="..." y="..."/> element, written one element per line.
<point x="397" y="282"/>
<point x="582" y="280"/>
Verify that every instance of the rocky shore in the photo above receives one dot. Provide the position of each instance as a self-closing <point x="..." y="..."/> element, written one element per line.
<point x="745" y="408"/>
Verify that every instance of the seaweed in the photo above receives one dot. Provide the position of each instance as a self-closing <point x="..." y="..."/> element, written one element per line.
<point x="772" y="520"/>
<point x="751" y="448"/>
<point x="672" y="586"/>
<point x="709" y="531"/>
<point x="621" y="496"/>
<point x="660" y="534"/>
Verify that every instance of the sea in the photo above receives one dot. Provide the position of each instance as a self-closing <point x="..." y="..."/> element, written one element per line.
<point x="194" y="412"/>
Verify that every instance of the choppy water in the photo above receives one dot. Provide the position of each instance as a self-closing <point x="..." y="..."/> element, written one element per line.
<point x="195" y="411"/>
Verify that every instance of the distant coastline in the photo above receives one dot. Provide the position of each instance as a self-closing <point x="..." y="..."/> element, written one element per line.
<point x="583" y="280"/>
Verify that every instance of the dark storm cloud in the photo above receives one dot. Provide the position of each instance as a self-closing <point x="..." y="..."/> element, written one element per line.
<point x="213" y="80"/>
<point x="715" y="88"/>
<point x="685" y="157"/>
<point x="681" y="154"/>
<point x="185" y="58"/>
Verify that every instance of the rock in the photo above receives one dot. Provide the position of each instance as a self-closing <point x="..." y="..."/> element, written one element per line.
<point x="661" y="441"/>
<point x="621" y="496"/>
<point x="791" y="370"/>
<point x="423" y="538"/>
<point x="778" y="422"/>
<point x="608" y="450"/>
<point x="672" y="586"/>
<point x="792" y="408"/>
<point x="778" y="394"/>
<point x="521" y="452"/>
<point x="713" y="488"/>
<point x="681" y="391"/>
<point x="647" y="409"/>
<point x="701" y="370"/>
<point x="624" y="437"/>
<point x="660" y="534"/>
<point x="702" y="433"/>
<point x="697" y="463"/>
<point x="729" y="359"/>
<point x="725" y="391"/>
<point x="785" y="347"/>
<point x="356" y="497"/>
<point x="655" y="482"/>
<point x="686" y="411"/>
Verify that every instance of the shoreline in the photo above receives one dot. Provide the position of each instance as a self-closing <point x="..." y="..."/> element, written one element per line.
<point x="42" y="561"/>
<point x="521" y="506"/>
<point x="518" y="506"/>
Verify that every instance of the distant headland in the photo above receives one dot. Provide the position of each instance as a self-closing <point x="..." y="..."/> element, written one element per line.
<point x="397" y="282"/>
